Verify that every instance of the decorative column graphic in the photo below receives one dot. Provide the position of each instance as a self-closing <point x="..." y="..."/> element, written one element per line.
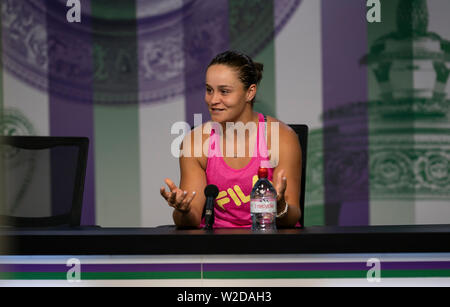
<point x="409" y="124"/>
<point x="18" y="167"/>
<point x="408" y="155"/>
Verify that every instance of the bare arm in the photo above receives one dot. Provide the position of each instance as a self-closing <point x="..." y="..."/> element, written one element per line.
<point x="188" y="199"/>
<point x="193" y="179"/>
<point x="287" y="176"/>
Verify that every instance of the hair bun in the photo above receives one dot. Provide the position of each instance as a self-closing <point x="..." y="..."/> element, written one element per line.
<point x="259" y="67"/>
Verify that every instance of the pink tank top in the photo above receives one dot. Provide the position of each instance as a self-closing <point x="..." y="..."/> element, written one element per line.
<point x="232" y="205"/>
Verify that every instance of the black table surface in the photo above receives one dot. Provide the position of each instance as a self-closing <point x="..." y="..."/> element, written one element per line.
<point x="172" y="241"/>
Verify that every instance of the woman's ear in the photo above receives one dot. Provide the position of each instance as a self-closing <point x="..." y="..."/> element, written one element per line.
<point x="251" y="92"/>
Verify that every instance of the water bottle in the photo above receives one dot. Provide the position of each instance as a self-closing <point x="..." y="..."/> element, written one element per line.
<point x="263" y="203"/>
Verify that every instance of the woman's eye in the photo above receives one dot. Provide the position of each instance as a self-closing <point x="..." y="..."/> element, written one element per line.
<point x="225" y="92"/>
<point x="208" y="90"/>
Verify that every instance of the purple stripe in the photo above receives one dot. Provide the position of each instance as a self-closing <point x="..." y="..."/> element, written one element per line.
<point x="426" y="265"/>
<point x="282" y="266"/>
<point x="206" y="34"/>
<point x="214" y="267"/>
<point x="319" y="266"/>
<point x="104" y="268"/>
<point x="172" y="267"/>
<point x="344" y="43"/>
<point x="68" y="118"/>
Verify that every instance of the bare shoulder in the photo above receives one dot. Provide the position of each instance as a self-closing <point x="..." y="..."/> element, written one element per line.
<point x="193" y="143"/>
<point x="195" y="138"/>
<point x="284" y="144"/>
<point x="286" y="134"/>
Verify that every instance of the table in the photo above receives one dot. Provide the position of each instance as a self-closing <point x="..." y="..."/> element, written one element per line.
<point x="328" y="255"/>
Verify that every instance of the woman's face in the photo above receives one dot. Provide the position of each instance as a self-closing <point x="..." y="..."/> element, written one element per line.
<point x="225" y="94"/>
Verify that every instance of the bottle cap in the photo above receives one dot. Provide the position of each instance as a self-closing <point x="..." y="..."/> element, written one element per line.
<point x="263" y="172"/>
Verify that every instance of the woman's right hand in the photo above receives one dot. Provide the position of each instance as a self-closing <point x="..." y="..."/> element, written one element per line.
<point x="177" y="198"/>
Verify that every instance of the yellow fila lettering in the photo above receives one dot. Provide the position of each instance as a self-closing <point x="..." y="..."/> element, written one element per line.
<point x="221" y="201"/>
<point x="244" y="199"/>
<point x="234" y="197"/>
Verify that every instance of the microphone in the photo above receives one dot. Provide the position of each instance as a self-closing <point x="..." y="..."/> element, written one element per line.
<point x="211" y="192"/>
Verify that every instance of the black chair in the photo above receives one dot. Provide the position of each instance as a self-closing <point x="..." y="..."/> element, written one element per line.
<point x="42" y="180"/>
<point x="302" y="133"/>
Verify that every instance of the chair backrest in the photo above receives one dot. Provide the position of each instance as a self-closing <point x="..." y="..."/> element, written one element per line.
<point x="42" y="180"/>
<point x="302" y="133"/>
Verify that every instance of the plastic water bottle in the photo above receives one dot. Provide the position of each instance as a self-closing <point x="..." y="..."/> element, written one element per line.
<point x="263" y="203"/>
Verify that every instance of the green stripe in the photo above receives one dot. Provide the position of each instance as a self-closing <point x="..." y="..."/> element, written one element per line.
<point x="434" y="131"/>
<point x="32" y="275"/>
<point x="314" y="194"/>
<point x="100" y="276"/>
<point x="1" y="72"/>
<point x="323" y="274"/>
<point x="314" y="215"/>
<point x="117" y="162"/>
<point x="117" y="166"/>
<point x="240" y="13"/>
<point x="283" y="274"/>
<point x="414" y="273"/>
<point x="2" y="174"/>
<point x="142" y="275"/>
<point x="225" y="275"/>
<point x="266" y="99"/>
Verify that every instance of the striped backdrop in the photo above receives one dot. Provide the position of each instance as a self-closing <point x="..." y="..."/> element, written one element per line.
<point x="129" y="71"/>
<point x="422" y="269"/>
<point x="221" y="270"/>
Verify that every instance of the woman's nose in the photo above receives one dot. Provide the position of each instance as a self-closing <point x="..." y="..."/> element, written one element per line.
<point x="215" y="98"/>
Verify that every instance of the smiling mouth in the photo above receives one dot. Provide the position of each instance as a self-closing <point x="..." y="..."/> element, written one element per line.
<point x="217" y="109"/>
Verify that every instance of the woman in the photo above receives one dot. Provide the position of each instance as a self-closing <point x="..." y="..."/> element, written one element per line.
<point x="232" y="80"/>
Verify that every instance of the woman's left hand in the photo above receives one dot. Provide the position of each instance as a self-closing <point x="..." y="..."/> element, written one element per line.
<point x="280" y="187"/>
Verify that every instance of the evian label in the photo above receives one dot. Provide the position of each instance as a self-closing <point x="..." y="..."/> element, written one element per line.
<point x="263" y="205"/>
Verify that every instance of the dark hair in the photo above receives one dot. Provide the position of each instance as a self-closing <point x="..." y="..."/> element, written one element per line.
<point x="249" y="72"/>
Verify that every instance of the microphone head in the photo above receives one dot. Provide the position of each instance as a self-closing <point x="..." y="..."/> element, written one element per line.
<point x="211" y="190"/>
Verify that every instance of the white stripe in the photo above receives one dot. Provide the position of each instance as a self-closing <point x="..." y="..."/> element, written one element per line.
<point x="298" y="72"/>
<point x="157" y="162"/>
